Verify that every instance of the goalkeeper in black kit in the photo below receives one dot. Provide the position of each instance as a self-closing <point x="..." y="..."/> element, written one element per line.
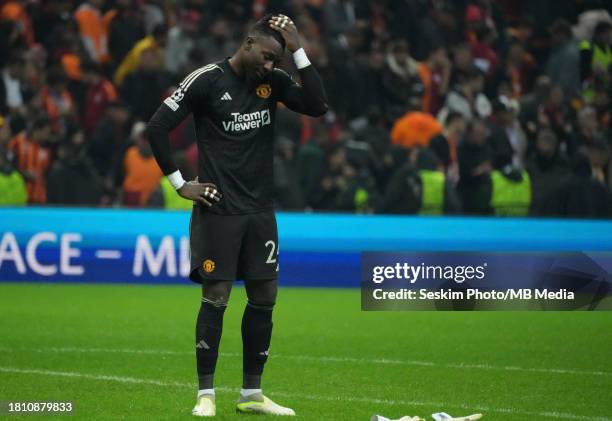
<point x="233" y="232"/>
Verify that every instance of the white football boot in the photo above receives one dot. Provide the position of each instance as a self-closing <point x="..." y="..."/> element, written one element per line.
<point x="205" y="406"/>
<point x="260" y="404"/>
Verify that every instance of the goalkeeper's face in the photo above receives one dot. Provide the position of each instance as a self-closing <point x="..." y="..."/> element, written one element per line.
<point x="263" y="53"/>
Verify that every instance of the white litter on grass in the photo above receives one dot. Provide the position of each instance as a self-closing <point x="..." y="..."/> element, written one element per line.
<point x="406" y="418"/>
<point x="443" y="416"/>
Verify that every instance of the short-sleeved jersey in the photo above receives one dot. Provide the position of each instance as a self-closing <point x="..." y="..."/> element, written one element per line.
<point x="234" y="123"/>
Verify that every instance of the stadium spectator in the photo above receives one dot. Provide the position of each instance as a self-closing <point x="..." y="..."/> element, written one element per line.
<point x="100" y="92"/>
<point x="145" y="87"/>
<point x="153" y="15"/>
<point x="587" y="132"/>
<point x="33" y="158"/>
<point x="598" y="94"/>
<point x="510" y="192"/>
<point x="154" y="42"/>
<point x="9" y="37"/>
<point x="444" y="145"/>
<point x="35" y="63"/>
<point x="339" y="16"/>
<point x="164" y="196"/>
<point x="15" y="11"/>
<point x="311" y="162"/>
<point x="579" y="195"/>
<point x="415" y="128"/>
<point x="402" y="192"/>
<point x="420" y="187"/>
<point x="554" y="113"/>
<point x="599" y="154"/>
<point x="217" y="43"/>
<point x="93" y="30"/>
<point x="375" y="136"/>
<point x="475" y="165"/>
<point x="479" y="14"/>
<point x="563" y="65"/>
<point x="596" y="55"/>
<point x="447" y="24"/>
<point x="182" y="39"/>
<point x="125" y="28"/>
<point x="463" y="63"/>
<point x="530" y="103"/>
<point x="401" y="79"/>
<point x="52" y="23"/>
<point x="72" y="163"/>
<point x="435" y="75"/>
<point x="68" y="53"/>
<point x="12" y="184"/>
<point x="589" y="18"/>
<point x="142" y="174"/>
<point x="286" y="177"/>
<point x="344" y="54"/>
<point x="12" y="88"/>
<point x="327" y="182"/>
<point x="506" y="139"/>
<point x="467" y="97"/>
<point x="289" y="125"/>
<point x="485" y="57"/>
<point x="106" y="147"/>
<point x="339" y="186"/>
<point x="57" y="101"/>
<point x="520" y="70"/>
<point x="545" y="167"/>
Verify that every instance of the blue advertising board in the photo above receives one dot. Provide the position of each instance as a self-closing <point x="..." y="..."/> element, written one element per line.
<point x="152" y="246"/>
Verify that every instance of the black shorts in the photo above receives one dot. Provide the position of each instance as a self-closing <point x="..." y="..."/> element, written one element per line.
<point x="231" y="247"/>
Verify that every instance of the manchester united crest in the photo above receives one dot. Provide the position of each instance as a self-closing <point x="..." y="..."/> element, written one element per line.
<point x="263" y="90"/>
<point x="208" y="265"/>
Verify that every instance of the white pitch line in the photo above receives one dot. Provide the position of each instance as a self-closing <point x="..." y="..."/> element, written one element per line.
<point x="331" y="359"/>
<point x="153" y="382"/>
<point x="120" y="379"/>
<point x="108" y="254"/>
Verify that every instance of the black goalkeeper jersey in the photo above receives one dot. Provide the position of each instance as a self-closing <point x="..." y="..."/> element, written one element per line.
<point x="234" y="123"/>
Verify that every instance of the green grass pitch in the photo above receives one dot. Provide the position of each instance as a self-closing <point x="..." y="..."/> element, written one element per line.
<point x="126" y="352"/>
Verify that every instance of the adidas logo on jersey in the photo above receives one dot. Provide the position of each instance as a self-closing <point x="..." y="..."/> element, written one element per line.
<point x="226" y="97"/>
<point x="242" y="122"/>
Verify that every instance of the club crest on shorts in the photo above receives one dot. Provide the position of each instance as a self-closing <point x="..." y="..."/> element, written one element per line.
<point x="263" y="91"/>
<point x="208" y="265"/>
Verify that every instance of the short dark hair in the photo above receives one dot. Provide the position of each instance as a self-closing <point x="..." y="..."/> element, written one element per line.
<point x="601" y="28"/>
<point x="452" y="117"/>
<point x="160" y="30"/>
<point x="561" y="27"/>
<point x="41" y="122"/>
<point x="262" y="26"/>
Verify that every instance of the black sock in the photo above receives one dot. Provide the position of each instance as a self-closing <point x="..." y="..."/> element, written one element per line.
<point x="256" y="335"/>
<point x="208" y="336"/>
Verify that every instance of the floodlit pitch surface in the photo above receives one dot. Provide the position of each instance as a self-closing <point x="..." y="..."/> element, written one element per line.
<point x="126" y="352"/>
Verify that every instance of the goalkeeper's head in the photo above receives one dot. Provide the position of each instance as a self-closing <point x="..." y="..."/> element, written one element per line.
<point x="261" y="50"/>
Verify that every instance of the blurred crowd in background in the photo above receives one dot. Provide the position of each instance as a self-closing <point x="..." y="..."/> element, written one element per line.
<point x="479" y="107"/>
